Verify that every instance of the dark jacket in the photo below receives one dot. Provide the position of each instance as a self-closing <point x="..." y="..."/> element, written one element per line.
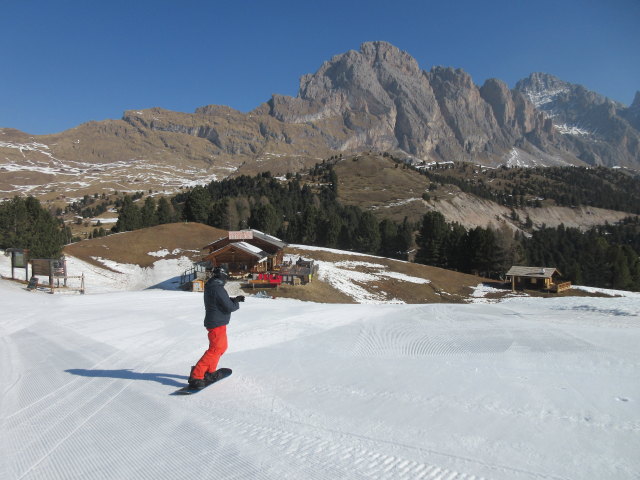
<point x="217" y="304"/>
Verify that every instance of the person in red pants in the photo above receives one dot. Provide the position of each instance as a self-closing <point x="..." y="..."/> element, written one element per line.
<point x="218" y="307"/>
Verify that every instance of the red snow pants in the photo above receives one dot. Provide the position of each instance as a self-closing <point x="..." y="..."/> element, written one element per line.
<point x="217" y="346"/>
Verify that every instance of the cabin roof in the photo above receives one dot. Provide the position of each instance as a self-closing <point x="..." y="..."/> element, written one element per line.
<point x="249" y="234"/>
<point x="245" y="247"/>
<point x="533" y="272"/>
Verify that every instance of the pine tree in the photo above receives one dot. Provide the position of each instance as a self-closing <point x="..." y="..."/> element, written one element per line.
<point x="149" y="216"/>
<point x="388" y="238"/>
<point x="129" y="217"/>
<point x="197" y="205"/>
<point x="24" y="223"/>
<point x="219" y="214"/>
<point x="329" y="231"/>
<point x="481" y="249"/>
<point x="164" y="213"/>
<point x="620" y="274"/>
<point x="368" y="234"/>
<point x="431" y="239"/>
<point x="404" y="239"/>
<point x="265" y="218"/>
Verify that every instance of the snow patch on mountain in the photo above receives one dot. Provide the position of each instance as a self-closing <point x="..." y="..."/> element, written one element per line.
<point x="566" y="129"/>
<point x="31" y="146"/>
<point x="540" y="98"/>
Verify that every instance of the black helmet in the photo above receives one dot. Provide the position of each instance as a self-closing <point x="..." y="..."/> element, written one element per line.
<point x="221" y="273"/>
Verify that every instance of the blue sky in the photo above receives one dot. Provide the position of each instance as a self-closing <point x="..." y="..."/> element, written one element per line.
<point x="69" y="62"/>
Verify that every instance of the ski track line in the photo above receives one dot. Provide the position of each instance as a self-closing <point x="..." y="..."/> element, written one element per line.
<point x="120" y="356"/>
<point x="350" y="462"/>
<point x="76" y="428"/>
<point x="366" y="461"/>
<point x="412" y="342"/>
<point x="70" y="408"/>
<point x="62" y="387"/>
<point x="408" y="340"/>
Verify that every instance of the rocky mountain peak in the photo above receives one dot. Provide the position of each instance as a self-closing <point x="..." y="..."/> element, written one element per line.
<point x="538" y="81"/>
<point x="632" y="114"/>
<point x="377" y="98"/>
<point x="383" y="53"/>
<point x="599" y="130"/>
<point x="542" y="88"/>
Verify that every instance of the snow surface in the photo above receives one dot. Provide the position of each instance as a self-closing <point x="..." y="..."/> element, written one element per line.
<point x="527" y="388"/>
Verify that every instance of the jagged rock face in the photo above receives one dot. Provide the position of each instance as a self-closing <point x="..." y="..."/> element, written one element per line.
<point x="379" y="95"/>
<point x="632" y="114"/>
<point x="374" y="98"/>
<point x="598" y="130"/>
<point x="468" y="115"/>
<point x="515" y="114"/>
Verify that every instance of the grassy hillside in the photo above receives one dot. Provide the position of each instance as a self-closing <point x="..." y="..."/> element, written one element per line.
<point x="188" y="239"/>
<point x="185" y="239"/>
<point x="377" y="183"/>
<point x="387" y="279"/>
<point x="477" y="196"/>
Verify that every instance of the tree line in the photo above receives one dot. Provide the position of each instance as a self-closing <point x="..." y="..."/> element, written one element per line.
<point x="309" y="213"/>
<point x="24" y="223"/>
<point x="605" y="256"/>
<point x="598" y="187"/>
<point x="295" y="211"/>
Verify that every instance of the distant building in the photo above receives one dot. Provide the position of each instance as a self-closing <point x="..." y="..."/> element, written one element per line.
<point x="301" y="272"/>
<point x="240" y="258"/>
<point x="536" y="278"/>
<point x="246" y="251"/>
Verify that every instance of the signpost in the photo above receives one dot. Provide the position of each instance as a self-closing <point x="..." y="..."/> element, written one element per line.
<point x="19" y="259"/>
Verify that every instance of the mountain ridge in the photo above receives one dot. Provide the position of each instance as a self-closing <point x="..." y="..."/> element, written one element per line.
<point x="375" y="98"/>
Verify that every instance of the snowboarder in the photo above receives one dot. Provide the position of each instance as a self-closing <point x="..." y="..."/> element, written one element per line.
<point x="218" y="307"/>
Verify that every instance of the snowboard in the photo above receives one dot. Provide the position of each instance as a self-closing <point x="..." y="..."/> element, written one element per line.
<point x="220" y="374"/>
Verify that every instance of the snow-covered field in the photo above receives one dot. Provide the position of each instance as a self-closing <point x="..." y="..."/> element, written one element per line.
<point x="522" y="389"/>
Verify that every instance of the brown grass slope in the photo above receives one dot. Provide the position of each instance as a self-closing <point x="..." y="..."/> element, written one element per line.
<point x="376" y="183"/>
<point x="133" y="247"/>
<point x="445" y="285"/>
<point x="189" y="238"/>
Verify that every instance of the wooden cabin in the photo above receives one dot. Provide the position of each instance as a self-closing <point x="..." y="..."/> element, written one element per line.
<point x="240" y="258"/>
<point x="536" y="278"/>
<point x="271" y="246"/>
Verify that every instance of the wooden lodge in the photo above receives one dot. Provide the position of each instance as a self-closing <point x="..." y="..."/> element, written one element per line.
<point x="246" y="251"/>
<point x="240" y="258"/>
<point x="536" y="278"/>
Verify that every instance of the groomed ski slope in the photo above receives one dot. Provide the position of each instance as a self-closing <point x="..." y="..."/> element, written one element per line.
<point x="523" y="389"/>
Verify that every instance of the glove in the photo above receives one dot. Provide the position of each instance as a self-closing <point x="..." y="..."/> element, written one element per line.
<point x="240" y="298"/>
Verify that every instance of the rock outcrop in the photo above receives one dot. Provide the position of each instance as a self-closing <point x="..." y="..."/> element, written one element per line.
<point x="597" y="130"/>
<point x="376" y="98"/>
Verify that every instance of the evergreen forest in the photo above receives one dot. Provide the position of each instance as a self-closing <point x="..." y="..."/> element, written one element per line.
<point x="607" y="256"/>
<point x="307" y="211"/>
<point x="25" y="224"/>
<point x="534" y="187"/>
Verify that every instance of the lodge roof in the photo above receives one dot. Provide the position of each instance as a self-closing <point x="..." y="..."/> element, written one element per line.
<point x="533" y="272"/>
<point x="268" y="238"/>
<point x="245" y="247"/>
<point x="249" y="234"/>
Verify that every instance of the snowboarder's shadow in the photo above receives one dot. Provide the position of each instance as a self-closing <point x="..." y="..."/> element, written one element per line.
<point x="128" y="374"/>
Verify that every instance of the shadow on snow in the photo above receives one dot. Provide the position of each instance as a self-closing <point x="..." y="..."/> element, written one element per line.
<point x="169" y="284"/>
<point x="128" y="374"/>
